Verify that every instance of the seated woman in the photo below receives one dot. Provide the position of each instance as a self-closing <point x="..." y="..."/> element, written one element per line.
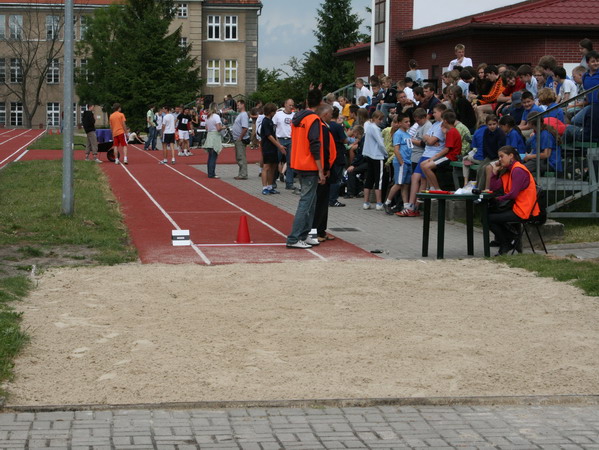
<point x="135" y="138"/>
<point x="518" y="185"/>
<point x="551" y="153"/>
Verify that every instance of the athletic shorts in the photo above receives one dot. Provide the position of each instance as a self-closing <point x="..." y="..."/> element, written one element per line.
<point x="183" y="135"/>
<point x="374" y="174"/>
<point x="402" y="174"/>
<point x="418" y="169"/>
<point x="440" y="163"/>
<point x="168" y="138"/>
<point x="270" y="157"/>
<point x="119" y="141"/>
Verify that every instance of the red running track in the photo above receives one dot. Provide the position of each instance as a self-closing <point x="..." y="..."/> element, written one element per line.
<point x="14" y="143"/>
<point x="156" y="199"/>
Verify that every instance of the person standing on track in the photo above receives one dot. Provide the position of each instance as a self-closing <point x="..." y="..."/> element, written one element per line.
<point x="307" y="155"/>
<point x="168" y="135"/>
<point x="118" y="127"/>
<point x="89" y="125"/>
<point x="282" y="121"/>
<point x="151" y="123"/>
<point x="183" y="127"/>
<point x="240" y="134"/>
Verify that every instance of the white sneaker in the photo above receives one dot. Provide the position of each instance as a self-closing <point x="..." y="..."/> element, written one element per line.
<point x="379" y="207"/>
<point x="312" y="241"/>
<point x="366" y="206"/>
<point x="299" y="244"/>
<point x="181" y="154"/>
<point x="98" y="161"/>
<point x="116" y="161"/>
<point x="163" y="162"/>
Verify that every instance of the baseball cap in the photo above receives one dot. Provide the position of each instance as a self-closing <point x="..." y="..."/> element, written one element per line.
<point x="517" y="98"/>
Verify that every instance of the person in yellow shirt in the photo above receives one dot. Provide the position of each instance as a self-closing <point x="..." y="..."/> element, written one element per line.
<point x="118" y="127"/>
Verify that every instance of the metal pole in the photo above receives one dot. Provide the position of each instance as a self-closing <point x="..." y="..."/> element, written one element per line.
<point x="68" y="198"/>
<point x="538" y="150"/>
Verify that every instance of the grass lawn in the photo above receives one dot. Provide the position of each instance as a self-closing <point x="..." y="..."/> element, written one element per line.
<point x="34" y="234"/>
<point x="54" y="142"/>
<point x="581" y="273"/>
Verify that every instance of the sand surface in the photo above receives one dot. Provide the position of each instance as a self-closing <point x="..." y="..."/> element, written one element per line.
<point x="157" y="333"/>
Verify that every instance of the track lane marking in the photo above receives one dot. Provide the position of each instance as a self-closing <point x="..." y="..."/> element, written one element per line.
<point x="280" y="233"/>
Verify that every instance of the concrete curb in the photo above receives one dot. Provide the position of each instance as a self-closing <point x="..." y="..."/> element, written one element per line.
<point x="524" y="400"/>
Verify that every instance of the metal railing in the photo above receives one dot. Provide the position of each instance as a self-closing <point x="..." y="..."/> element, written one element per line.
<point x="570" y="176"/>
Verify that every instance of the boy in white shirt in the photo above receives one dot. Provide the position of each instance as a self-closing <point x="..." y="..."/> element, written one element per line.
<point x="363" y="91"/>
<point x="460" y="59"/>
<point x="568" y="88"/>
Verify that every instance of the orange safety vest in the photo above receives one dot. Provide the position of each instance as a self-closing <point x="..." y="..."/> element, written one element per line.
<point x="527" y="199"/>
<point x="301" y="157"/>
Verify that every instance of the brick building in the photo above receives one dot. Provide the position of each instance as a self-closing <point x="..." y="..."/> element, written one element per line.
<point x="515" y="34"/>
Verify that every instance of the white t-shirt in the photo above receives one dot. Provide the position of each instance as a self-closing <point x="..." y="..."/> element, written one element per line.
<point x="159" y="121"/>
<point x="568" y="86"/>
<point x="466" y="62"/>
<point x="337" y="105"/>
<point x="409" y="93"/>
<point x="282" y="121"/>
<point x="212" y="121"/>
<point x="364" y="92"/>
<point x="169" y="124"/>
<point x="259" y="126"/>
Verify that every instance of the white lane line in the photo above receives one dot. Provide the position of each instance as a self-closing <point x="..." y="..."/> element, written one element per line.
<point x="280" y="233"/>
<point x="169" y="218"/>
<point x="17" y="151"/>
<point x="277" y="244"/>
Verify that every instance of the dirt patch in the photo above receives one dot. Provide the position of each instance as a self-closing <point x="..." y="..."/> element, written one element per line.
<point x="23" y="259"/>
<point x="155" y="333"/>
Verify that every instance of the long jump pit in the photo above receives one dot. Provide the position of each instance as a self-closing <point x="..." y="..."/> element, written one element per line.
<point x="157" y="334"/>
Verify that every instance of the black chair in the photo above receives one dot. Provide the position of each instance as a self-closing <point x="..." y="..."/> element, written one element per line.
<point x="535" y="221"/>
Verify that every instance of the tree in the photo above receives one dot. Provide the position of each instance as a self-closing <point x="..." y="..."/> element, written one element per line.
<point x="134" y="60"/>
<point x="277" y="85"/>
<point x="31" y="49"/>
<point x="336" y="28"/>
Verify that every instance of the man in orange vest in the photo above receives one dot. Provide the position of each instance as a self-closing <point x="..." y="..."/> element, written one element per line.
<point x="307" y="159"/>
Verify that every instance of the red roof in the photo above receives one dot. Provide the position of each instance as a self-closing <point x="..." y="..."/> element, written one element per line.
<point x="233" y="2"/>
<point x="60" y="2"/>
<point x="358" y="48"/>
<point x="531" y="14"/>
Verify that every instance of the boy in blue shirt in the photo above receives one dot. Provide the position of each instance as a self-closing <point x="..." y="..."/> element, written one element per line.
<point x="528" y="103"/>
<point x="402" y="163"/>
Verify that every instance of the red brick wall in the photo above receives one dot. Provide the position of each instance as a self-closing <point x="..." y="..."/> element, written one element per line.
<point x="363" y="67"/>
<point x="512" y="49"/>
<point x="401" y="19"/>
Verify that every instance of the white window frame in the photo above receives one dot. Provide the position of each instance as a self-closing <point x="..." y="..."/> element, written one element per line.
<point x="53" y="114"/>
<point x="213" y="72"/>
<point x="83" y="70"/>
<point x="231" y="72"/>
<point x="2" y="113"/>
<point x="16" y="114"/>
<point x="16" y="70"/>
<point x="82" y="27"/>
<point x="213" y="28"/>
<point x="52" y="27"/>
<point x="53" y="74"/>
<point x="15" y="25"/>
<point x="231" y="28"/>
<point x="183" y="42"/>
<point x="182" y="10"/>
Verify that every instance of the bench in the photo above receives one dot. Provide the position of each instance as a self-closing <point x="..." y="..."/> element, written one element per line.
<point x="457" y="172"/>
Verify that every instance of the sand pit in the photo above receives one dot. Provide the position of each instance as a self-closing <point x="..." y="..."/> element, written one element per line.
<point x="148" y="334"/>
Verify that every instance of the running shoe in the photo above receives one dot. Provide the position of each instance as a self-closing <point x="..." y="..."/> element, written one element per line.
<point x="312" y="241"/>
<point x="299" y="244"/>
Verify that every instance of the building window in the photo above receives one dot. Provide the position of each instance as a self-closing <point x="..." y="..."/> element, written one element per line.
<point x="379" y="21"/>
<point x="3" y="113"/>
<point x="15" y="25"/>
<point x="83" y="71"/>
<point x="16" y="72"/>
<point x="230" y="71"/>
<point x="75" y="115"/>
<point x="2" y="70"/>
<point x="52" y="27"/>
<point x="53" y="75"/>
<point x="182" y="11"/>
<point x="230" y="28"/>
<point x="214" y="71"/>
<point x="82" y="27"/>
<point x="2" y="28"/>
<point x="16" y="114"/>
<point x="53" y="114"/>
<point x="183" y="42"/>
<point x="213" y="28"/>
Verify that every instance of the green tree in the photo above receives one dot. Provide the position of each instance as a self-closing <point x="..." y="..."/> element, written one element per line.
<point x="277" y="85"/>
<point x="132" y="59"/>
<point x="336" y="28"/>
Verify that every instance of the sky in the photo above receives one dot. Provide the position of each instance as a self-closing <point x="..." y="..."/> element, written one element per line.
<point x="286" y="29"/>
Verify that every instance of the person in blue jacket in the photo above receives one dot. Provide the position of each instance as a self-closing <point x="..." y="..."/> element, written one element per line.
<point x="550" y="154"/>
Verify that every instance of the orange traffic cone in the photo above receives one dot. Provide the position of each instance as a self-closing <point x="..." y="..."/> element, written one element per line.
<point x="49" y="130"/>
<point x="243" y="232"/>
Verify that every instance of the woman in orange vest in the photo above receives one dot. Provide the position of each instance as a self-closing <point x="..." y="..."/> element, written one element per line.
<point x="519" y="187"/>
